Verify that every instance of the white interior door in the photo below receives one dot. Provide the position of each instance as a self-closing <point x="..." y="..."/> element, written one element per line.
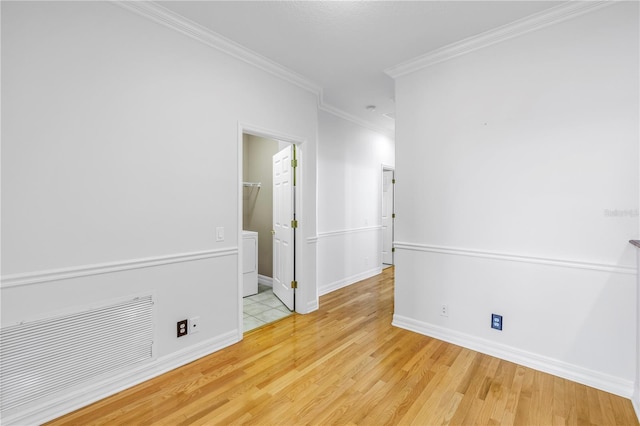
<point x="283" y="236"/>
<point x="387" y="217"/>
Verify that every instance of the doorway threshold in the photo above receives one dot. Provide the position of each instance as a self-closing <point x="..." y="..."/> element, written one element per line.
<point x="262" y="309"/>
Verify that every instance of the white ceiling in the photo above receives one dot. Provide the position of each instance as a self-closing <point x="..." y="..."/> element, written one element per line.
<point x="344" y="46"/>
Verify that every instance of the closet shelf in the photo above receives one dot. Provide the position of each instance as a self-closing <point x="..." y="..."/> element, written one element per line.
<point x="252" y="184"/>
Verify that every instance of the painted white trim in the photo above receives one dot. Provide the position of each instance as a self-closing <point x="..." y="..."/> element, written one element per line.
<point x="322" y="235"/>
<point x="311" y="306"/>
<point x="266" y="133"/>
<point x="383" y="168"/>
<point x="635" y="400"/>
<point x="352" y="118"/>
<point x="549" y="365"/>
<point x="15" y="280"/>
<point x="312" y="240"/>
<point x="336" y="285"/>
<point x="88" y="394"/>
<point x="618" y="269"/>
<point x="245" y="128"/>
<point x="174" y="21"/>
<point x="264" y="280"/>
<point x="554" y="15"/>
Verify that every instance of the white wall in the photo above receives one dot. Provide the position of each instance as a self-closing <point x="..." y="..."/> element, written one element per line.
<point x="507" y="160"/>
<point x="350" y="159"/>
<point x="119" y="160"/>
<point x="636" y="391"/>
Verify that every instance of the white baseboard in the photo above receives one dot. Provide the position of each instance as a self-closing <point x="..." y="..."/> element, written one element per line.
<point x="311" y="306"/>
<point x="636" y="401"/>
<point x="328" y="288"/>
<point x="264" y="280"/>
<point x="59" y="406"/>
<point x="553" y="366"/>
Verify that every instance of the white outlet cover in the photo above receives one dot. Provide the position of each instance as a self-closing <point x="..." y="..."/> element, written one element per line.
<point x="194" y="325"/>
<point x="444" y="310"/>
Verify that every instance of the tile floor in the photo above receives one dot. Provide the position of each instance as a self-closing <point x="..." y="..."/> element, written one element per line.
<point x="262" y="308"/>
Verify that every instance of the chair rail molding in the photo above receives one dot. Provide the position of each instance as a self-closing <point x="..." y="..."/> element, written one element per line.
<point x="37" y="277"/>
<point x="455" y="251"/>
<point x="327" y="234"/>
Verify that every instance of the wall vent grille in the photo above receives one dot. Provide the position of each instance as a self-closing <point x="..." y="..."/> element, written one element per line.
<point x="42" y="357"/>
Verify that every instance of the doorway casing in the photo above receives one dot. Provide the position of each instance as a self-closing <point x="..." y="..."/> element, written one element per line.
<point x="387" y="213"/>
<point x="244" y="128"/>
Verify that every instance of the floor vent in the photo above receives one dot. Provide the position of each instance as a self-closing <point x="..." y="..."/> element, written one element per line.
<point x="42" y="357"/>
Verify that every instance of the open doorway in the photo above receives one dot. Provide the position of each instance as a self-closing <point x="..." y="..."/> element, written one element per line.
<point x="267" y="239"/>
<point x="388" y="215"/>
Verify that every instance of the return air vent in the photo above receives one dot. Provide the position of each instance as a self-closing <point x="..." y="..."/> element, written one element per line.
<point x="42" y="357"/>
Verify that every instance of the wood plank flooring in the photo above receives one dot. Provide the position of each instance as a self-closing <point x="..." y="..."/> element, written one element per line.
<point x="345" y="364"/>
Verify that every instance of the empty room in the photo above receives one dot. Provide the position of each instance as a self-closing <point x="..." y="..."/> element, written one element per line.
<point x="320" y="212"/>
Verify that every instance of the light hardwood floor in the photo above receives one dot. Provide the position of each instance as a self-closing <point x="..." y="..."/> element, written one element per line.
<point x="345" y="364"/>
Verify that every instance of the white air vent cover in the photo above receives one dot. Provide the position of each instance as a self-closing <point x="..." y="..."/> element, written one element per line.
<point x="41" y="357"/>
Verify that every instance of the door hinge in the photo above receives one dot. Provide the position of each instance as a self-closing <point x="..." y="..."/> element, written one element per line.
<point x="393" y="216"/>
<point x="294" y="224"/>
<point x="294" y="284"/>
<point x="294" y="165"/>
<point x="393" y="181"/>
<point x="393" y="250"/>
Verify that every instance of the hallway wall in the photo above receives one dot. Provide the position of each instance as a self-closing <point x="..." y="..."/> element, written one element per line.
<point x="120" y="141"/>
<point x="517" y="194"/>
<point x="350" y="159"/>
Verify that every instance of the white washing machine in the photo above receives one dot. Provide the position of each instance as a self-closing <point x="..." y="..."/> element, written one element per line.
<point x="249" y="263"/>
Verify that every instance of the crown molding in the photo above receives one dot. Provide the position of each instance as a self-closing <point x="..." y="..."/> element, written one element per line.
<point x="174" y="21"/>
<point x="352" y="118"/>
<point x="526" y="25"/>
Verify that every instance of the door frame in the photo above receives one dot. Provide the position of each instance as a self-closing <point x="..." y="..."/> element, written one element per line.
<point x="244" y="128"/>
<point x="283" y="287"/>
<point x="386" y="168"/>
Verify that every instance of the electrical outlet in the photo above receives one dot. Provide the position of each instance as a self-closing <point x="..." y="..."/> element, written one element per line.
<point x="182" y="328"/>
<point x="444" y="310"/>
<point x="496" y="321"/>
<point x="194" y="325"/>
